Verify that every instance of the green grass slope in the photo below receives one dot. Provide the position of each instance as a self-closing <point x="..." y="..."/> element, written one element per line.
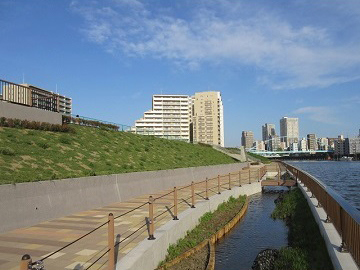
<point x="32" y="155"/>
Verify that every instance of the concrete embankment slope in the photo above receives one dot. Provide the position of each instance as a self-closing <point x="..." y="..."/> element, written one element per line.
<point x="26" y="204"/>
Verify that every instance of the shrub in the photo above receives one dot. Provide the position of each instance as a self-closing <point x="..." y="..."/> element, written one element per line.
<point x="7" y="151"/>
<point x="17" y="123"/>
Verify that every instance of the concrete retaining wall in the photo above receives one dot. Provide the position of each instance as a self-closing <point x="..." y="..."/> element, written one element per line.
<point x="331" y="237"/>
<point x="11" y="110"/>
<point x="26" y="204"/>
<point x="147" y="254"/>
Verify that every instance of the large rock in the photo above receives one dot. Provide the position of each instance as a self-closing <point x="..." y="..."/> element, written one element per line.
<point x="265" y="259"/>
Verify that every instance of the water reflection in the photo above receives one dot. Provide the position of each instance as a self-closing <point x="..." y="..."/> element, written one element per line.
<point x="257" y="231"/>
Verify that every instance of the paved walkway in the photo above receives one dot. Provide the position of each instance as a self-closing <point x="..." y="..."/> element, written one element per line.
<point x="46" y="237"/>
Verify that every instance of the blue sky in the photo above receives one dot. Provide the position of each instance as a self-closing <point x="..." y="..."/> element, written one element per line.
<point x="269" y="59"/>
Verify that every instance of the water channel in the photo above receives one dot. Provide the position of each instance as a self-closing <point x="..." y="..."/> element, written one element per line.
<point x="258" y="231"/>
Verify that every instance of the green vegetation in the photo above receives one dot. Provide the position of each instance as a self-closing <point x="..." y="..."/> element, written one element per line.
<point x="261" y="158"/>
<point x="307" y="248"/>
<point x="32" y="155"/>
<point x="209" y="224"/>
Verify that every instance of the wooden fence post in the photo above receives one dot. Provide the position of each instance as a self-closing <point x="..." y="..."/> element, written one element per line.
<point x="207" y="189"/>
<point x="25" y="261"/>
<point x="151" y="218"/>
<point x="175" y="204"/>
<point x="219" y="184"/>
<point x="192" y="195"/>
<point x="111" y="239"/>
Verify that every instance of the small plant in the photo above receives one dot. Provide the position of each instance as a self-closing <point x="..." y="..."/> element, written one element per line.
<point x="43" y="145"/>
<point x="7" y="151"/>
<point x="65" y="140"/>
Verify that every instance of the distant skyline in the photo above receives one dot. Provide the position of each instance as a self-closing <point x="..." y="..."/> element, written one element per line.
<point x="268" y="58"/>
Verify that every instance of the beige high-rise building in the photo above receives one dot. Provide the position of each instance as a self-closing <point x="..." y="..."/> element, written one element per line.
<point x="289" y="130"/>
<point x="169" y="118"/>
<point x="247" y="139"/>
<point x="208" y="118"/>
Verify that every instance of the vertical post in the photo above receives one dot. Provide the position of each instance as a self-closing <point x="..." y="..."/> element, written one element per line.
<point x="240" y="178"/>
<point x="111" y="254"/>
<point x="151" y="218"/>
<point x="342" y="230"/>
<point x="297" y="175"/>
<point x="249" y="175"/>
<point x="25" y="261"/>
<point x="278" y="172"/>
<point x="219" y="184"/>
<point x="175" y="204"/>
<point x="229" y="181"/>
<point x="206" y="189"/>
<point x="259" y="174"/>
<point x="192" y="195"/>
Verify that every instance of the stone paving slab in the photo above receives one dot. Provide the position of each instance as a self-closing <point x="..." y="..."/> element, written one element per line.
<point x="46" y="237"/>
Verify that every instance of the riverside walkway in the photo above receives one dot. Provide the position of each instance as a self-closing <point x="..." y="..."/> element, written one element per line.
<point x="52" y="241"/>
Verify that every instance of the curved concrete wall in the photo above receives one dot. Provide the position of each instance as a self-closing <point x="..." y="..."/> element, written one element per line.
<point x="26" y="204"/>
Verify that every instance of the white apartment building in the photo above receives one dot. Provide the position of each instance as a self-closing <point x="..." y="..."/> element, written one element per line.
<point x="289" y="130"/>
<point x="169" y="118"/>
<point x="303" y="144"/>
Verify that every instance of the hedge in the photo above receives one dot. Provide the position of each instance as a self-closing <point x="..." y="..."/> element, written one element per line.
<point x="17" y="123"/>
<point x="89" y="123"/>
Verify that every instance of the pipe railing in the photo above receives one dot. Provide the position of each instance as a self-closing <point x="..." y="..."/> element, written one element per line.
<point x="182" y="195"/>
<point x="345" y="218"/>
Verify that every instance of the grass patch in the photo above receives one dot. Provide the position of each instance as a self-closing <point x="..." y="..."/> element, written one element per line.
<point x="261" y="158"/>
<point x="307" y="248"/>
<point x="44" y="155"/>
<point x="209" y="224"/>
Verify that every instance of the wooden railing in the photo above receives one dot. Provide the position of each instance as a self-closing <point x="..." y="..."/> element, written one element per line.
<point x="345" y="217"/>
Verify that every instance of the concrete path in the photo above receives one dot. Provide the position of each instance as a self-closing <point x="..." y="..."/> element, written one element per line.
<point x="130" y="229"/>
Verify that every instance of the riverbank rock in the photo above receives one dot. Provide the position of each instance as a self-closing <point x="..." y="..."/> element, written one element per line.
<point x="265" y="259"/>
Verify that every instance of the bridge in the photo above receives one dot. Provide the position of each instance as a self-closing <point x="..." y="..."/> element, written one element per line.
<point x="276" y="153"/>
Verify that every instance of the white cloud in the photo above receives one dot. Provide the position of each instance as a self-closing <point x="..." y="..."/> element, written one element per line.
<point x="320" y="114"/>
<point x="291" y="57"/>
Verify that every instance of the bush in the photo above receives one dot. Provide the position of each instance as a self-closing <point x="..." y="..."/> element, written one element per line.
<point x="7" y="151"/>
<point x="17" y="123"/>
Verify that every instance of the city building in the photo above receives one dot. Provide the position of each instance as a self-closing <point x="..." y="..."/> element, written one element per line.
<point x="311" y="142"/>
<point x="208" y="118"/>
<point x="303" y="144"/>
<point x="340" y="146"/>
<point x="273" y="143"/>
<point x="294" y="147"/>
<point x="259" y="145"/>
<point x="30" y="95"/>
<point x="289" y="130"/>
<point x="247" y="139"/>
<point x="267" y="131"/>
<point x="352" y="146"/>
<point x="323" y="144"/>
<point x="169" y="118"/>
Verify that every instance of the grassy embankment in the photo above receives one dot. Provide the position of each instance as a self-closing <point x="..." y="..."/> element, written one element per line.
<point x="32" y="155"/>
<point x="307" y="248"/>
<point x="209" y="224"/>
<point x="261" y="158"/>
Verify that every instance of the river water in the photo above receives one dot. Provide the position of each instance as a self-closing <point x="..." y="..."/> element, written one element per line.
<point x="255" y="232"/>
<point x="341" y="176"/>
<point x="258" y="231"/>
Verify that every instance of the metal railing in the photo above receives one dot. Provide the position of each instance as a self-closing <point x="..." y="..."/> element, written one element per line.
<point x="172" y="200"/>
<point x="345" y="218"/>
